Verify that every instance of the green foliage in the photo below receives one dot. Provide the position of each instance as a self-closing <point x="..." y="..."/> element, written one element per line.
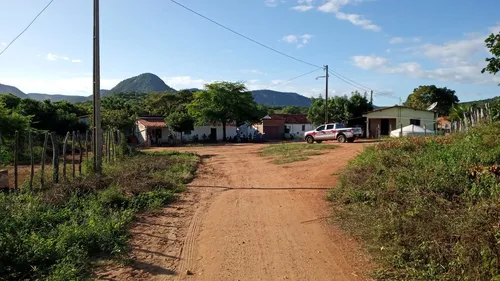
<point x="54" y="234"/>
<point x="423" y="96"/>
<point x="179" y="121"/>
<point x="426" y="209"/>
<point x="292" y="152"/>
<point x="493" y="45"/>
<point x="224" y="102"/>
<point x="340" y="108"/>
<point x="10" y="101"/>
<point x="12" y="121"/>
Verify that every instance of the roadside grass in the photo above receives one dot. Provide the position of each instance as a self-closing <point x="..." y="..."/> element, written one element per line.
<point x="285" y="153"/>
<point x="58" y="233"/>
<point x="427" y="208"/>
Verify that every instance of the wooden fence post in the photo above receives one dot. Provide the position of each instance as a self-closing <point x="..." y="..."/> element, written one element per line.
<point x="79" y="137"/>
<point x="425" y="130"/>
<point x="86" y="144"/>
<point x="65" y="145"/>
<point x="44" y="151"/>
<point x="16" y="148"/>
<point x="73" y="153"/>
<point x="55" y="158"/>
<point x="32" y="170"/>
<point x="378" y="131"/>
<point x="401" y="133"/>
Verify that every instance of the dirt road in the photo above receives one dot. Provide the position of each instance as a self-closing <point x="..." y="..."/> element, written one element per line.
<point x="245" y="218"/>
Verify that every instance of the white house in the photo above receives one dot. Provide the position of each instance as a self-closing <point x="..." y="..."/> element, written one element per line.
<point x="152" y="130"/>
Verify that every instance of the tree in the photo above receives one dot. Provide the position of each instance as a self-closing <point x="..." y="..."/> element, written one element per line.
<point x="359" y="104"/>
<point x="423" y="96"/>
<point x="179" y="121"/>
<point x="12" y="121"/>
<point x="493" y="44"/>
<point x="224" y="102"/>
<point x="10" y="101"/>
<point x="338" y="110"/>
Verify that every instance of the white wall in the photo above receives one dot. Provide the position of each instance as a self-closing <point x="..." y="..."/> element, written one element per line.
<point x="296" y="129"/>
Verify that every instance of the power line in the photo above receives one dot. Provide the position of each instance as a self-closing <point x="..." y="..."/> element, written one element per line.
<point x="244" y="36"/>
<point x="362" y="88"/>
<point x="5" y="49"/>
<point x="297" y="77"/>
<point x="336" y="74"/>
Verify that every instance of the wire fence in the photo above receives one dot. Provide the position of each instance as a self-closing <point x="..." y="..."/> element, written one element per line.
<point x="35" y="159"/>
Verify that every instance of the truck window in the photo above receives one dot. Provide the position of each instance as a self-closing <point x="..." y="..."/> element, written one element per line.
<point x="320" y="128"/>
<point x="340" y="126"/>
<point x="330" y="127"/>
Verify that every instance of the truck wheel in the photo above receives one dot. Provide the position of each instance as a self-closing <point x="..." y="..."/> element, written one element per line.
<point x="341" y="138"/>
<point x="309" y="139"/>
<point x="351" y="139"/>
<point x="319" y="141"/>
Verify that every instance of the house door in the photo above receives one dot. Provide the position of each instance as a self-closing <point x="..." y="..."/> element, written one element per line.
<point x="213" y="134"/>
<point x="384" y="127"/>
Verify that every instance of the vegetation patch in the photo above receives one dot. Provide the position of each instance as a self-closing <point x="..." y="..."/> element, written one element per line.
<point x="284" y="153"/>
<point x="56" y="233"/>
<point x="428" y="208"/>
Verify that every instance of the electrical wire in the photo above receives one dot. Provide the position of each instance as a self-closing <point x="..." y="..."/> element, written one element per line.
<point x="11" y="42"/>
<point x="244" y="36"/>
<point x="291" y="79"/>
<point x="363" y="88"/>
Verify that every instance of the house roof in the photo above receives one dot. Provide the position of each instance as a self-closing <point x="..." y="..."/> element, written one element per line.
<point x="291" y="118"/>
<point x="395" y="106"/>
<point x="152" y="122"/>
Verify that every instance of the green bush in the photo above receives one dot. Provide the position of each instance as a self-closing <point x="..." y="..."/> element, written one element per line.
<point x="54" y="234"/>
<point x="428" y="208"/>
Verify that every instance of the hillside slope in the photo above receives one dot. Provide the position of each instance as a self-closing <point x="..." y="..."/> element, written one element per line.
<point x="6" y="89"/>
<point x="54" y="98"/>
<point x="270" y="97"/>
<point x="144" y="83"/>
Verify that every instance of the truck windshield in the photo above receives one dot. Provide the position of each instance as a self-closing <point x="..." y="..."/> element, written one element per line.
<point x="340" y="126"/>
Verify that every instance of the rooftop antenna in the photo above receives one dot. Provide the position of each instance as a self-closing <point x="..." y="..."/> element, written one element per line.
<point x="432" y="106"/>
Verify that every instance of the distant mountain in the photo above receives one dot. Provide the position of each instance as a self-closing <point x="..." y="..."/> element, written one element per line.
<point x="6" y="89"/>
<point x="144" y="83"/>
<point x="269" y="97"/>
<point x="104" y="92"/>
<point x="54" y="98"/>
<point x="480" y="102"/>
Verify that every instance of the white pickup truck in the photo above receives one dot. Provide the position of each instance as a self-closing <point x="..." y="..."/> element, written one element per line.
<point x="333" y="131"/>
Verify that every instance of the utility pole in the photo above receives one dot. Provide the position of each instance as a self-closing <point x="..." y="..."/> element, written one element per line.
<point x="97" y="94"/>
<point x="326" y="94"/>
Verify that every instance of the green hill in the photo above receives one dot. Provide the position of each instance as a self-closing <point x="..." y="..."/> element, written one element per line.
<point x="6" y="89"/>
<point x="144" y="83"/>
<point x="54" y="98"/>
<point x="275" y="98"/>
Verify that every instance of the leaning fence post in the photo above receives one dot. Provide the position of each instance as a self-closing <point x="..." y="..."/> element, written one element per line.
<point x="16" y="148"/>
<point x="378" y="131"/>
<point x="73" y="152"/>
<point x="401" y="133"/>
<point x="32" y="170"/>
<point x="55" y="158"/>
<point x="44" y="151"/>
<point x="65" y="145"/>
<point x="79" y="137"/>
<point x="425" y="130"/>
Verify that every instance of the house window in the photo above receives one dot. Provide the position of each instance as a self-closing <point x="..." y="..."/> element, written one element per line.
<point x="187" y="132"/>
<point x="287" y="129"/>
<point x="415" y="122"/>
<point x="303" y="128"/>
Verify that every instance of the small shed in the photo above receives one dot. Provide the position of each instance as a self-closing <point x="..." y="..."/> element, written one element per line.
<point x="382" y="121"/>
<point x="275" y="126"/>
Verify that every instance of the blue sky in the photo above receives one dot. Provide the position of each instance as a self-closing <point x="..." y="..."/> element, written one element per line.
<point x="392" y="46"/>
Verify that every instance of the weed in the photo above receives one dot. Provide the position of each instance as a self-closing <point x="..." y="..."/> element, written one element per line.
<point x="56" y="233"/>
<point x="428" y="208"/>
<point x="284" y="153"/>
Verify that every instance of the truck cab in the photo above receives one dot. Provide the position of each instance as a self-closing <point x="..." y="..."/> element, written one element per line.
<point x="332" y="131"/>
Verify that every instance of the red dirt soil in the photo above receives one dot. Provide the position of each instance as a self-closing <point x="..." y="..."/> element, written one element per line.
<point x="245" y="218"/>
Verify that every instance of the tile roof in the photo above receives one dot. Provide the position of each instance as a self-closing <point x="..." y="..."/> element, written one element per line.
<point x="291" y="118"/>
<point x="152" y="122"/>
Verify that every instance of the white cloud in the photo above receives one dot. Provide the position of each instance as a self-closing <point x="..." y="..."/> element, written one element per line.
<point x="252" y="71"/>
<point x="368" y="62"/>
<point x="54" y="57"/>
<point x="57" y="85"/>
<point x="303" y="8"/>
<point x="495" y="29"/>
<point x="335" y="6"/>
<point x="300" y="40"/>
<point x="454" y="52"/>
<point x="3" y="44"/>
<point x="271" y="3"/>
<point x="398" y="40"/>
<point x="184" y="82"/>
<point x="253" y="81"/>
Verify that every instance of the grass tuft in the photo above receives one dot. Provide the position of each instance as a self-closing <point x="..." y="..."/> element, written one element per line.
<point x="285" y="153"/>
<point x="428" y="208"/>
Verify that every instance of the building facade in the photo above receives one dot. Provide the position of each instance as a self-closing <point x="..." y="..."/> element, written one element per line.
<point x="382" y="121"/>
